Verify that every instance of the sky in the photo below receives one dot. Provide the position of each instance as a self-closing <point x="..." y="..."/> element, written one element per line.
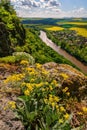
<point x="50" y="8"/>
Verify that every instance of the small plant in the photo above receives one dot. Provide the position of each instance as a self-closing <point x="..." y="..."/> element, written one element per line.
<point x="17" y="57"/>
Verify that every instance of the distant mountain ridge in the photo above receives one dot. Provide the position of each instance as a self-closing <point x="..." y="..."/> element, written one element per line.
<point x="48" y="21"/>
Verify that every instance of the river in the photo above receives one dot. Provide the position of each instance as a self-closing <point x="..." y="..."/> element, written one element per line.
<point x="62" y="52"/>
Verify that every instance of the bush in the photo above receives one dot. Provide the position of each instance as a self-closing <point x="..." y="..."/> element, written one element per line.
<point x="8" y="59"/>
<point x="17" y="57"/>
<point x="23" y="56"/>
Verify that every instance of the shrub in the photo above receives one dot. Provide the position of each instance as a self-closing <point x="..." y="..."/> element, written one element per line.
<point x="23" y="56"/>
<point x="17" y="57"/>
<point x="8" y="59"/>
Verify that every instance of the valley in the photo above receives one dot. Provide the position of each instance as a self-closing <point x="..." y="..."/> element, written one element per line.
<point x="43" y="69"/>
<point x="60" y="51"/>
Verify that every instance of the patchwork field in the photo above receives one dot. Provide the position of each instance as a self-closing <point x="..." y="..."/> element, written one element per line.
<point x="80" y="31"/>
<point x="54" y="28"/>
<point x="73" y="23"/>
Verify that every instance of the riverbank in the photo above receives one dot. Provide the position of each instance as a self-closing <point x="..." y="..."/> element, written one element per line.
<point x="60" y="51"/>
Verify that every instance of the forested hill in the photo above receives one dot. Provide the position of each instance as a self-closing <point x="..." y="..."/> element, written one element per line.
<point x="12" y="32"/>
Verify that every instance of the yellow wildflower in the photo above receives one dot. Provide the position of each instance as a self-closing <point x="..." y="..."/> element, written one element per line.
<point x="45" y="72"/>
<point x="65" y="89"/>
<point x="27" y="92"/>
<point x="79" y="113"/>
<point x="39" y="85"/>
<point x="51" y="99"/>
<point x="50" y="87"/>
<point x="24" y="62"/>
<point x="66" y="116"/>
<point x="14" y="78"/>
<point x="54" y="82"/>
<point x="62" y="109"/>
<point x="68" y="93"/>
<point x="5" y="108"/>
<point x="30" y="70"/>
<point x="29" y="86"/>
<point x="38" y="66"/>
<point x="65" y="76"/>
<point x="23" y="84"/>
<point x="53" y="104"/>
<point x="57" y="107"/>
<point x="12" y="104"/>
<point x="57" y="99"/>
<point x="60" y="121"/>
<point x="84" y="109"/>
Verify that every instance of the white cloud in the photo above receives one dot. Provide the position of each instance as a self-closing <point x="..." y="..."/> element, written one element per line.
<point x="45" y="8"/>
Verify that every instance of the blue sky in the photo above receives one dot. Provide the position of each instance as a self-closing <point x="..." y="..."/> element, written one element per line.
<point x="50" y="8"/>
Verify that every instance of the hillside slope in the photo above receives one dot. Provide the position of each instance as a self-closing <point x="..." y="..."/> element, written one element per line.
<point x="12" y="32"/>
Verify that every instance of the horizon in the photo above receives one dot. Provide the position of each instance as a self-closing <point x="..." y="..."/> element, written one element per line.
<point x="53" y="18"/>
<point x="50" y="8"/>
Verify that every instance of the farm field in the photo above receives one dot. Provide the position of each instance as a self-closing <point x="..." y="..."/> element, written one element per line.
<point x="70" y="34"/>
<point x="80" y="31"/>
<point x="54" y="28"/>
<point x="74" y="23"/>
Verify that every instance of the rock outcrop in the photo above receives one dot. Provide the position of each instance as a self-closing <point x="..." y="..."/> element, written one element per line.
<point x="76" y="82"/>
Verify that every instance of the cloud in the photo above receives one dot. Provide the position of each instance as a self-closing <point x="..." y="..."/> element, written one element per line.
<point x="45" y="8"/>
<point x="38" y="4"/>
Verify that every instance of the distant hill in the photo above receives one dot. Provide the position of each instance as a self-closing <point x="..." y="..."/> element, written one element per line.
<point x="49" y="21"/>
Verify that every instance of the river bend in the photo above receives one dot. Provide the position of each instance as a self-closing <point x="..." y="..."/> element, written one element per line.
<point x="62" y="52"/>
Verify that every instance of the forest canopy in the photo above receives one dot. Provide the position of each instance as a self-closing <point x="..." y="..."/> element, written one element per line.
<point x="12" y="32"/>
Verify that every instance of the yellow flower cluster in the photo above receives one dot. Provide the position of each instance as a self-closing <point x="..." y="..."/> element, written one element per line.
<point x="65" y="90"/>
<point x="31" y="86"/>
<point x="27" y="92"/>
<point x="44" y="72"/>
<point x="62" y="109"/>
<point x="64" y="76"/>
<point x="30" y="71"/>
<point x="38" y="66"/>
<point x="14" y="78"/>
<point x="12" y="104"/>
<point x="66" y="116"/>
<point x="52" y="100"/>
<point x="24" y="62"/>
<point x="54" y="83"/>
<point x="84" y="109"/>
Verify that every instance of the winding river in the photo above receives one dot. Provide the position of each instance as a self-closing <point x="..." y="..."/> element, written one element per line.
<point x="60" y="51"/>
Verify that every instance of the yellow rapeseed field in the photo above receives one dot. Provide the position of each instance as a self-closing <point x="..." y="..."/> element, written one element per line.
<point x="75" y="23"/>
<point x="54" y="28"/>
<point x="80" y="31"/>
<point x="80" y="19"/>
